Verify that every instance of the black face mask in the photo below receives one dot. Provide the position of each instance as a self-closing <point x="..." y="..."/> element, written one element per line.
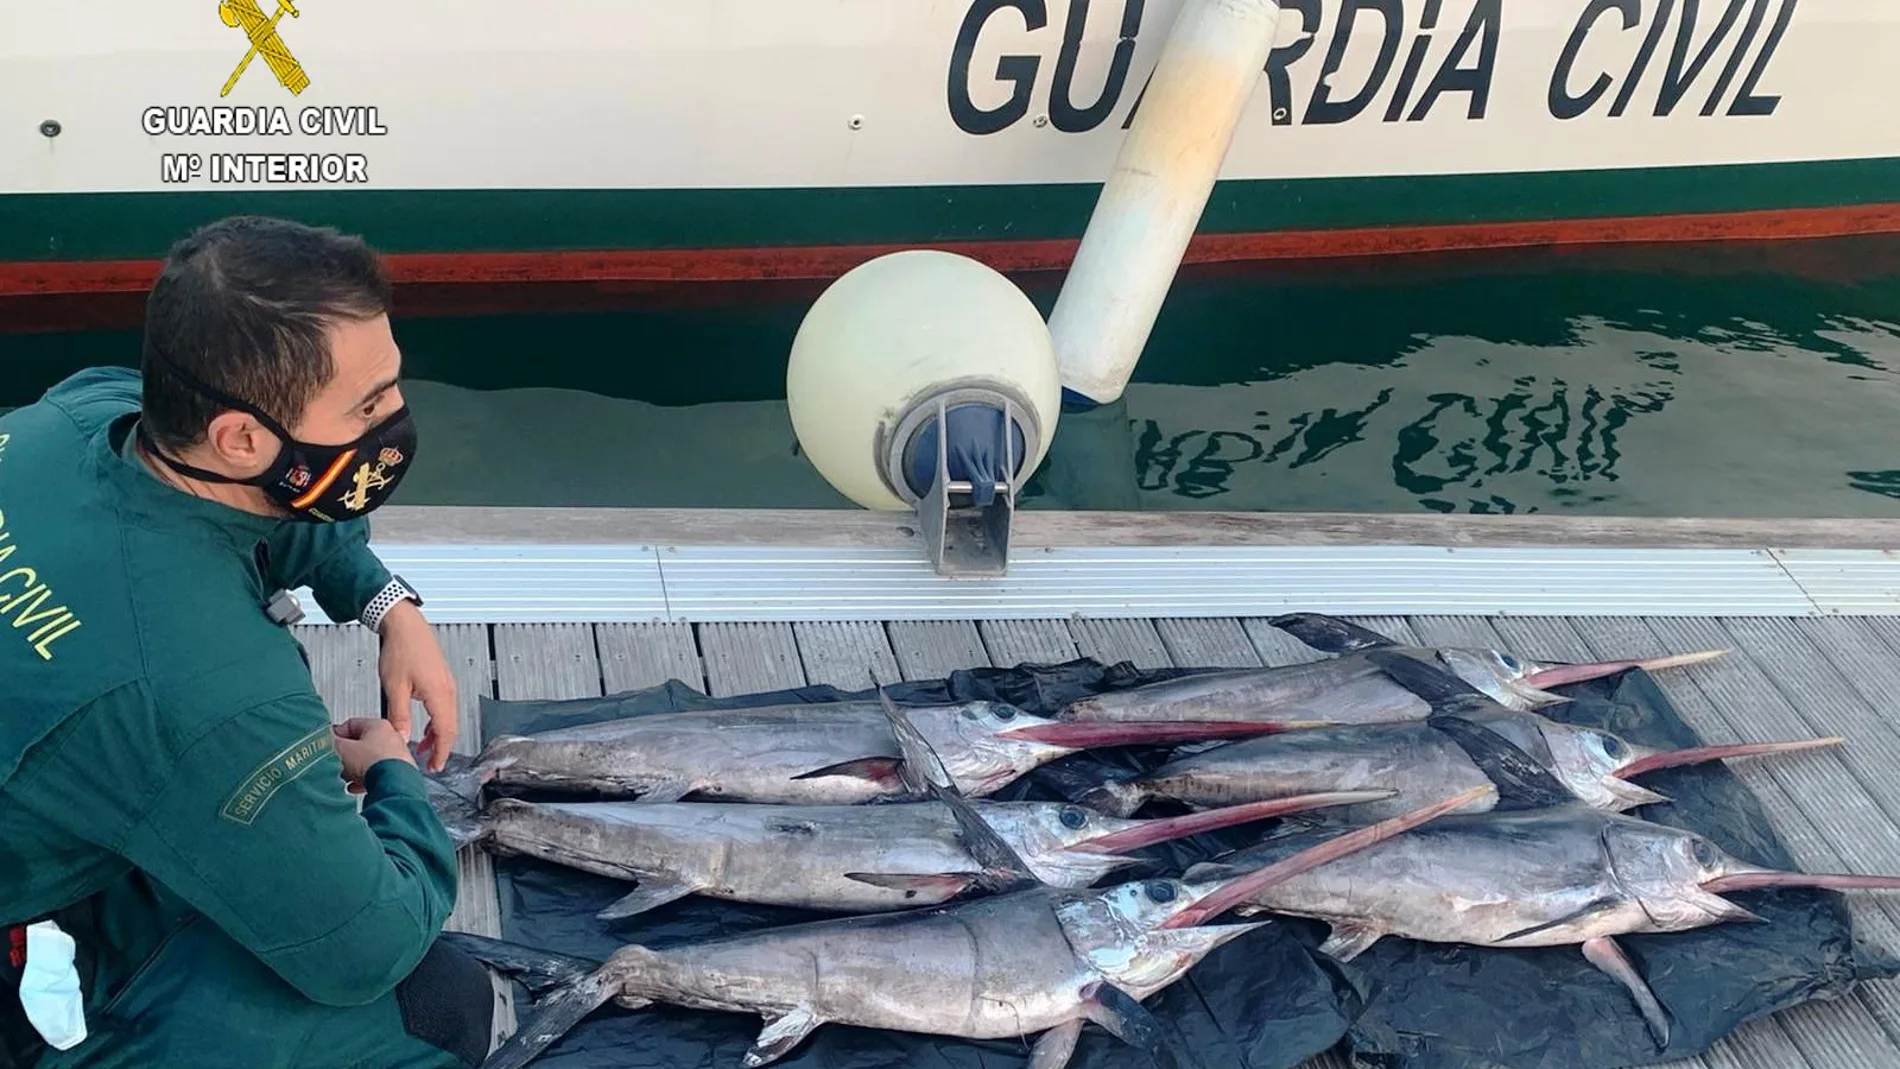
<point x="315" y="483"/>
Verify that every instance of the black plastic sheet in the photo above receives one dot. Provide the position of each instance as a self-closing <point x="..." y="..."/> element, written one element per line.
<point x="1268" y="1000"/>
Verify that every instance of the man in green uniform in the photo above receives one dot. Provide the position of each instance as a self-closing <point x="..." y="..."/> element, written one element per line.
<point x="172" y="793"/>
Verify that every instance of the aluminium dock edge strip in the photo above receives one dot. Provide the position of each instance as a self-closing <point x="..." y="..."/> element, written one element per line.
<point x="602" y="582"/>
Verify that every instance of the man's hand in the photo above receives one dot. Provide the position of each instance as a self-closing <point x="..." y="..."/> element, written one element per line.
<point x="412" y="666"/>
<point x="362" y="742"/>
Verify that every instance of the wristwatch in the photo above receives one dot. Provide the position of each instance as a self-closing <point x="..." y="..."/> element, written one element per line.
<point x="385" y="600"/>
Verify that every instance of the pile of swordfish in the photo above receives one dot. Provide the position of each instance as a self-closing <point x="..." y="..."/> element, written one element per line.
<point x="1426" y="799"/>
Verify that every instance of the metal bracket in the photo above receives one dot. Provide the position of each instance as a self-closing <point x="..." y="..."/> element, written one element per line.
<point x="283" y="609"/>
<point x="965" y="539"/>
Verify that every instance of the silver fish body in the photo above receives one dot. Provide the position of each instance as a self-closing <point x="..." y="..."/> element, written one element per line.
<point x="1565" y="875"/>
<point x="818" y="754"/>
<point x="1349" y="688"/>
<point x="859" y="859"/>
<point x="1037" y="959"/>
<point x="1496" y="879"/>
<point x="1419" y="760"/>
<point x="1421" y="764"/>
<point x="806" y="857"/>
<point x="988" y="969"/>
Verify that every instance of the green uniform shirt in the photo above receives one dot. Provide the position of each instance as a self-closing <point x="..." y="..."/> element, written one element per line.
<point x="153" y="718"/>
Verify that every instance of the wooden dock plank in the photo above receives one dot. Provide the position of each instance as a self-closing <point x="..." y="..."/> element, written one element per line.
<point x="1009" y="643"/>
<point x="1542" y="638"/>
<point x="477" y="903"/>
<point x="1114" y="641"/>
<point x="1810" y="672"/>
<point x="1471" y="632"/>
<point x="932" y="649"/>
<point x="846" y="655"/>
<point x="548" y="661"/>
<point x="1275" y="647"/>
<point x="750" y="658"/>
<point x="1396" y="628"/>
<point x="1207" y="643"/>
<point x="343" y="667"/>
<point x="851" y="654"/>
<point x="638" y="656"/>
<point x="730" y="670"/>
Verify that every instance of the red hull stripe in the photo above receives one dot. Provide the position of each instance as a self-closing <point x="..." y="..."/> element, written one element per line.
<point x="40" y="277"/>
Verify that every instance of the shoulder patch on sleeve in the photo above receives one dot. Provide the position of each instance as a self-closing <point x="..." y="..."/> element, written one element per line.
<point x="268" y="778"/>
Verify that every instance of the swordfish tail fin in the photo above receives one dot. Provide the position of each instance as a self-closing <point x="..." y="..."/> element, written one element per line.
<point x="539" y="971"/>
<point x="455" y="795"/>
<point x="1329" y="634"/>
<point x="577" y="988"/>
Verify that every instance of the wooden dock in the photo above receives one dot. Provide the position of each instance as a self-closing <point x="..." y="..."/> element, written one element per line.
<point x="1837" y="809"/>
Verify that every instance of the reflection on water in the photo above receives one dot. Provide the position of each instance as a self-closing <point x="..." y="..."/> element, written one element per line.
<point x="1714" y="381"/>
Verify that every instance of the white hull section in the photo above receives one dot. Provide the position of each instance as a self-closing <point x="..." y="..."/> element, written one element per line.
<point x="496" y="94"/>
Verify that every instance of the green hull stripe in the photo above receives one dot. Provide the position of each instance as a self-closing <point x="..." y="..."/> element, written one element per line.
<point x="133" y="226"/>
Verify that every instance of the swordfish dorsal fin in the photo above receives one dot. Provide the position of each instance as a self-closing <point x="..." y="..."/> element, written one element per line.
<point x="1459" y="712"/>
<point x="1522" y="781"/>
<point x="1329" y="634"/>
<point x="924" y="773"/>
<point x="1429" y="682"/>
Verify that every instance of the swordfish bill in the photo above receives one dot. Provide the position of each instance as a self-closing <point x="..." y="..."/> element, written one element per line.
<point x="1036" y="960"/>
<point x="1467" y="739"/>
<point x="837" y="753"/>
<point x="1562" y="876"/>
<point x="1348" y="688"/>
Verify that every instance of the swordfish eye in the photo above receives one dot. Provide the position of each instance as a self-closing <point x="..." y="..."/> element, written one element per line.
<point x="1159" y="890"/>
<point x="1613" y="748"/>
<point x="1004" y="712"/>
<point x="1705" y="853"/>
<point x="1073" y="818"/>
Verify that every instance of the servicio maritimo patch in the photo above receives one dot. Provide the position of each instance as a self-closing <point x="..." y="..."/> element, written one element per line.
<point x="251" y="796"/>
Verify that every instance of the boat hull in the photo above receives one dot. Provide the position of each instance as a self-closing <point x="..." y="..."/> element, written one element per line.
<point x="644" y="140"/>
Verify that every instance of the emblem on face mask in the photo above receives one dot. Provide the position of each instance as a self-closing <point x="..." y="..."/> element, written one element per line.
<point x="368" y="477"/>
<point x="390" y="456"/>
<point x="299" y="477"/>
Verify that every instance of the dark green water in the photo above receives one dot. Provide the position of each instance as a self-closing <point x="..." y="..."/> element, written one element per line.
<point x="1720" y="380"/>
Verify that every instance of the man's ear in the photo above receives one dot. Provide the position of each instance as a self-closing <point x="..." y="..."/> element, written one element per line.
<point x="240" y="443"/>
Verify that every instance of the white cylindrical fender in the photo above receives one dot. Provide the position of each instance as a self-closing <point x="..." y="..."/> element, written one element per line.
<point x="896" y="332"/>
<point x="1152" y="202"/>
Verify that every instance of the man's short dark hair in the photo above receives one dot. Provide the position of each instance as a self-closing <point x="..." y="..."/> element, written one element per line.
<point x="245" y="305"/>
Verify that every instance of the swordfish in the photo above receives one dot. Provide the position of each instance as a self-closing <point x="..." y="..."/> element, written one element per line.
<point x="1561" y="876"/>
<point x="835" y="753"/>
<point x="1031" y="959"/>
<point x="857" y="859"/>
<point x="1348" y="688"/>
<point x="1467" y="739"/>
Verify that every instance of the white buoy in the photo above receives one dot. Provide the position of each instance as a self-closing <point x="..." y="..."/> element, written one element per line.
<point x="1152" y="202"/>
<point x="895" y="342"/>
